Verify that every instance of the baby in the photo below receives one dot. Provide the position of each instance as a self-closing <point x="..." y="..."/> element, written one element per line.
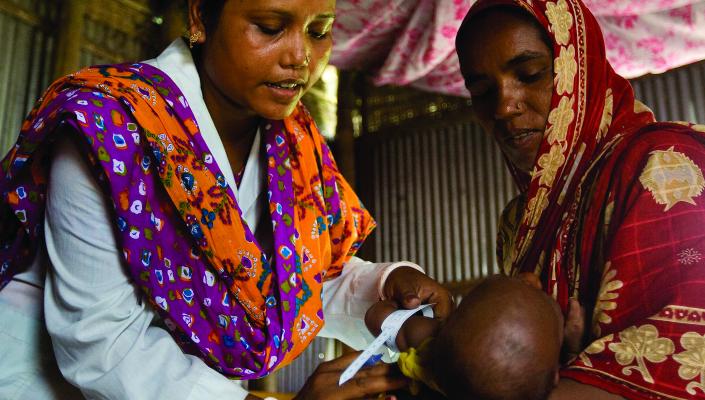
<point x="503" y="342"/>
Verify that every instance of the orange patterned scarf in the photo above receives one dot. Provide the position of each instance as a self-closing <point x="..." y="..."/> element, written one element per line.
<point x="181" y="230"/>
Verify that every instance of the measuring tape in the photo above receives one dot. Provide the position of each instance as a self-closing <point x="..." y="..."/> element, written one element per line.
<point x="388" y="336"/>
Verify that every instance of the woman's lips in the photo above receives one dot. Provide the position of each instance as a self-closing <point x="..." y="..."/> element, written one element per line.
<point x="521" y="138"/>
<point x="285" y="92"/>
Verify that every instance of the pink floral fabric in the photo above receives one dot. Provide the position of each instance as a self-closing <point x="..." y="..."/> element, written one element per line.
<point x="651" y="36"/>
<point x="411" y="42"/>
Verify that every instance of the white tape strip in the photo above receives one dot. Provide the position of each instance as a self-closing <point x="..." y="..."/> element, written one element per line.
<point x="390" y="328"/>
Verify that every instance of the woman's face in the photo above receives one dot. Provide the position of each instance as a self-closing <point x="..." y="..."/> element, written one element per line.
<point x="508" y="69"/>
<point x="264" y="54"/>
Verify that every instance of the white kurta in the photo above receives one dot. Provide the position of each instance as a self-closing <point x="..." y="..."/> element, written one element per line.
<point x="105" y="339"/>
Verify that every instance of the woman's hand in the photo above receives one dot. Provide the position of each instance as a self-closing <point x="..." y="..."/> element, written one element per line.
<point x="368" y="382"/>
<point x="411" y="288"/>
<point x="573" y="332"/>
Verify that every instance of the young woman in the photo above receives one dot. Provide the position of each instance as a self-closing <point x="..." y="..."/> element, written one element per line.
<point x="194" y="221"/>
<point x="611" y="208"/>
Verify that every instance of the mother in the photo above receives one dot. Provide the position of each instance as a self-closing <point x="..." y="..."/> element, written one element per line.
<point x="611" y="208"/>
<point x="195" y="187"/>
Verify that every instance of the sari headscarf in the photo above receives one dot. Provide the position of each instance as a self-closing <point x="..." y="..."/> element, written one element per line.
<point x="590" y="219"/>
<point x="183" y="238"/>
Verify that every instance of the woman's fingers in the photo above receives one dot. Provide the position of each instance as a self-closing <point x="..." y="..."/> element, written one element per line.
<point x="574" y="330"/>
<point x="444" y="304"/>
<point x="373" y="380"/>
<point x="530" y="279"/>
<point x="341" y="363"/>
<point x="367" y="383"/>
<point x="338" y="364"/>
<point x="411" y="288"/>
<point x="323" y="384"/>
<point x="575" y="322"/>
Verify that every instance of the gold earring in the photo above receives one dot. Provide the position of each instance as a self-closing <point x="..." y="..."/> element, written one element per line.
<point x="193" y="39"/>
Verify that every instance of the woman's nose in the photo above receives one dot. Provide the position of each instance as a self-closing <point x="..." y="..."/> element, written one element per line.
<point x="298" y="53"/>
<point x="509" y="102"/>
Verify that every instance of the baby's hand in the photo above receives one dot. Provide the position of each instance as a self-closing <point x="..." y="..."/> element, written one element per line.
<point x="377" y="313"/>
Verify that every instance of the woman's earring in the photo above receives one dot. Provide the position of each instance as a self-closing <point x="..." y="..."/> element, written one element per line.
<point x="193" y="39"/>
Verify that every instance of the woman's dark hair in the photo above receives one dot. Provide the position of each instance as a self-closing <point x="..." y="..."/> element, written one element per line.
<point x="517" y="11"/>
<point x="210" y="14"/>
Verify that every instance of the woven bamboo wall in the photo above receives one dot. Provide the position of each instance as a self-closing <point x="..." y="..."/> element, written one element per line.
<point x="677" y="95"/>
<point x="109" y="31"/>
<point x="118" y="31"/>
<point x="27" y="48"/>
<point x="436" y="192"/>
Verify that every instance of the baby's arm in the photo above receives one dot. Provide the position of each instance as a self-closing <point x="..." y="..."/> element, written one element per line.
<point x="414" y="331"/>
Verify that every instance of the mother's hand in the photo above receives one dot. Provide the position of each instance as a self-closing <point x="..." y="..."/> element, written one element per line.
<point x="573" y="332"/>
<point x="323" y="383"/>
<point x="411" y="288"/>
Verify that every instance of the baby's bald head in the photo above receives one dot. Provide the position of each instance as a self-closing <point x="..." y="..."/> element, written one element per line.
<point x="503" y="342"/>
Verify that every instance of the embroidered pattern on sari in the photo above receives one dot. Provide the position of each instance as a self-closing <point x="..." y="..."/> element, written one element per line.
<point x="609" y="292"/>
<point x="692" y="361"/>
<point x="672" y="177"/>
<point x="183" y="239"/>
<point x="640" y="345"/>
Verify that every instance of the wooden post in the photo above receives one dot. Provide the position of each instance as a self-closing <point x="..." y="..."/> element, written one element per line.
<point x="70" y="37"/>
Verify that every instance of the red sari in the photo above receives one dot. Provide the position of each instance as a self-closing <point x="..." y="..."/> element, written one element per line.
<point x="613" y="214"/>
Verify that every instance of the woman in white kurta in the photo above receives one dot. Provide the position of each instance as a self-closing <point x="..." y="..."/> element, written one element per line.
<point x="107" y="341"/>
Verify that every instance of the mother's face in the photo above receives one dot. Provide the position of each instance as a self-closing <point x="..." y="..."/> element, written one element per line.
<point x="508" y="69"/>
<point x="264" y="54"/>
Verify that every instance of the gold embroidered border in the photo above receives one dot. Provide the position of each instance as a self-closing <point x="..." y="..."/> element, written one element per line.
<point x="670" y="314"/>
<point x="629" y="383"/>
<point x="581" y="59"/>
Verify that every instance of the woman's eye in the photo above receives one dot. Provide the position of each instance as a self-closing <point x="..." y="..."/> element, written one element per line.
<point x="532" y="77"/>
<point x="318" y="35"/>
<point x="267" y="30"/>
